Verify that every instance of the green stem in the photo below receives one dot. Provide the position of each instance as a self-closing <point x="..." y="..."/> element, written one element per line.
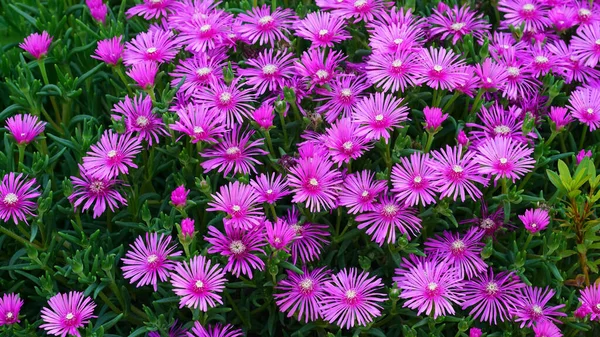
<point x="273" y="5"/>
<point x="552" y="136"/>
<point x="475" y="106"/>
<point x="269" y="142"/>
<point x="42" y="67"/>
<point x="150" y="91"/>
<point x="236" y="310"/>
<point x="121" y="75"/>
<point x="18" y="238"/>
<point x="430" y="137"/>
<point x="504" y="186"/>
<point x="452" y="99"/>
<point x="272" y="208"/>
<point x="285" y="136"/>
<point x="21" y="156"/>
<point x="583" y="135"/>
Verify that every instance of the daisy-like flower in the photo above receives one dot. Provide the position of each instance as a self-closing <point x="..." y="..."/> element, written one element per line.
<point x="491" y="296"/>
<point x="318" y="69"/>
<point x="586" y="14"/>
<point x="198" y="283"/>
<point x="154" y="45"/>
<point x="455" y="174"/>
<point x="505" y="158"/>
<point x="217" y="330"/>
<point x="112" y="155"/>
<point x="99" y="192"/>
<point x="360" y="191"/>
<point x="24" y="128"/>
<point x="144" y="74"/>
<point x="302" y="294"/>
<point x="360" y="10"/>
<point x="352" y="298"/>
<point x="343" y="94"/>
<point x="412" y="180"/>
<point x="239" y="201"/>
<point x="497" y="122"/>
<point x="532" y="14"/>
<point x="571" y="68"/>
<point x="109" y="51"/>
<point x="442" y="69"/>
<point x="264" y="27"/>
<point x="10" y="306"/>
<point x="431" y="287"/>
<point x="461" y="252"/>
<point x="15" y="198"/>
<point x="584" y="105"/>
<point x="378" y="114"/>
<point x="541" y="61"/>
<point x="394" y="72"/>
<point x="344" y="141"/>
<point x="176" y="330"/>
<point x="138" y="116"/>
<point x="535" y="220"/>
<point x="433" y="118"/>
<point x="234" y="153"/>
<point x="519" y="80"/>
<point x="532" y="307"/>
<point x="66" y="313"/>
<point x="560" y="117"/>
<point x="489" y="223"/>
<point x="586" y="44"/>
<point x="315" y="182"/>
<point x="264" y="116"/>
<point x="589" y="299"/>
<point x="184" y="11"/>
<point x="310" y="238"/>
<point x="279" y="234"/>
<point x="204" y="32"/>
<point x="546" y="329"/>
<point x="152" y="9"/>
<point x="492" y="76"/>
<point x="147" y="261"/>
<point x="268" y="71"/>
<point x="563" y="17"/>
<point x="200" y="123"/>
<point x="37" y="44"/>
<point x="270" y="187"/>
<point x="199" y="71"/>
<point x="232" y="102"/>
<point x="387" y="217"/>
<point x="457" y="23"/>
<point x="240" y="247"/>
<point x="322" y="29"/>
<point x="395" y="38"/>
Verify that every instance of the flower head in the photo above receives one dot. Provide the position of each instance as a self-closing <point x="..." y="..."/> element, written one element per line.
<point x="434" y="117"/>
<point x="152" y="46"/>
<point x="442" y="69"/>
<point x="589" y="299"/>
<point x="268" y="71"/>
<point x="264" y="27"/>
<point x="187" y="227"/>
<point x="532" y="307"/>
<point x="217" y="330"/>
<point x="315" y="182"/>
<point x="461" y="252"/>
<point x="230" y="101"/>
<point x="37" y="44"/>
<point x="152" y="9"/>
<point x="560" y="117"/>
<point x="360" y="191"/>
<point x="396" y="71"/>
<point x="497" y="122"/>
<point x="15" y="197"/>
<point x="66" y="313"/>
<point x="270" y="187"/>
<point x="302" y="294"/>
<point x="318" y="69"/>
<point x="378" y="114"/>
<point x="179" y="196"/>
<point x="138" y="116"/>
<point x="198" y="283"/>
<point x="412" y="180"/>
<point x="505" y="158"/>
<point x="492" y="76"/>
<point x="239" y="201"/>
<point x="310" y="238"/>
<point x="344" y="141"/>
<point x="360" y="10"/>
<point x="202" y="33"/>
<point x="198" y="72"/>
<point x="586" y="44"/>
<point x="99" y="192"/>
<point x="109" y="51"/>
<point x="532" y="14"/>
<point x="344" y="94"/>
<point x="112" y="155"/>
<point x="396" y="38"/>
<point x="582" y="155"/>
<point x="264" y="116"/>
<point x="199" y="122"/>
<point x="144" y="74"/>
<point x="10" y="306"/>
<point x="546" y="329"/>
<point x="279" y="234"/>
<point x="535" y="220"/>
<point x="322" y="29"/>
<point x="24" y="128"/>
<point x="457" y="23"/>
<point x="475" y="332"/>
<point x="584" y="105"/>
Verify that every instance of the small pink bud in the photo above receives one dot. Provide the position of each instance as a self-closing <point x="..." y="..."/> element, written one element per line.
<point x="187" y="227"/>
<point x="462" y="138"/>
<point x="475" y="332"/>
<point x="434" y="118"/>
<point x="179" y="196"/>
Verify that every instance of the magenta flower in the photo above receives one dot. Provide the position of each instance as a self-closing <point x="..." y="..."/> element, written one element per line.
<point x="378" y="114"/>
<point x="187" y="228"/>
<point x="109" y="51"/>
<point x="531" y="307"/>
<point x="24" y="128"/>
<point x="360" y="10"/>
<point x="519" y="81"/>
<point x="342" y="97"/>
<point x="497" y="122"/>
<point x="434" y="117"/>
<point x="395" y="38"/>
<point x="584" y="105"/>
<point x="152" y="9"/>
<point x="344" y="141"/>
<point x="560" y="117"/>
<point x="179" y="196"/>
<point x="394" y="72"/>
<point x="264" y="27"/>
<point x="492" y="76"/>
<point x="240" y="246"/>
<point x="462" y="138"/>
<point x="315" y="183"/>
<point x="352" y="299"/>
<point x="98" y="10"/>
<point x="66" y="313"/>
<point x="155" y="45"/>
<point x="322" y="29"/>
<point x="535" y="220"/>
<point x="268" y="71"/>
<point x="15" y="198"/>
<point x="431" y="287"/>
<point x="202" y="33"/>
<point x="198" y="284"/>
<point x="387" y="217"/>
<point x="583" y="154"/>
<point x="147" y="261"/>
<point x="239" y="201"/>
<point x="310" y="238"/>
<point x="270" y="187"/>
<point x="491" y="296"/>
<point x="318" y="69"/>
<point x="442" y="69"/>
<point x="541" y="61"/>
<point x="279" y="234"/>
<point x="139" y="118"/>
<point x="360" y="191"/>
<point x="505" y="158"/>
<point x="185" y="11"/>
<point x="264" y="116"/>
<point x="99" y="192"/>
<point x="457" y="23"/>
<point x="10" y="306"/>
<point x="144" y="74"/>
<point x="475" y="332"/>
<point x="199" y="71"/>
<point x="231" y="101"/>
<point x="217" y="330"/>
<point x="546" y="329"/>
<point x="412" y="180"/>
<point x="200" y="123"/>
<point x="112" y="155"/>
<point x="589" y="299"/>
<point x="455" y="173"/>
<point x="533" y="14"/>
<point x="234" y="153"/>
<point x="461" y="252"/>
<point x="37" y="45"/>
<point x="302" y="294"/>
<point x="586" y="44"/>
<point x="563" y="17"/>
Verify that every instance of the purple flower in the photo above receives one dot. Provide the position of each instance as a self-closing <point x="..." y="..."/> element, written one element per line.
<point x="489" y="223"/>
<point x="457" y="23"/>
<point x="138" y="116"/>
<point x="492" y="76"/>
<point x="344" y="141"/>
<point x="315" y="183"/>
<point x="205" y="32"/>
<point x="395" y="38"/>
<point x="531" y="307"/>
<point x="352" y="299"/>
<point x="239" y="201"/>
<point x="10" y="306"/>
<point x="217" y="330"/>
<point x="412" y="180"/>
<point x="535" y="220"/>
<point x="24" y="128"/>
<point x="268" y="71"/>
<point x="560" y="117"/>
<point x="505" y="158"/>
<point x="583" y="154"/>
<point x="461" y="252"/>
<point x="147" y="261"/>
<point x="198" y="283"/>
<point x="589" y="299"/>
<point x="341" y="97"/>
<point x="497" y="122"/>
<point x="530" y="13"/>
<point x="66" y="313"/>
<point x="302" y="294"/>
<point x="318" y="69"/>
<point x="546" y="329"/>
<point x="264" y="27"/>
<point x="264" y="116"/>
<point x="279" y="234"/>
<point x="270" y="187"/>
<point x="154" y="45"/>
<point x="232" y="102"/>
<point x="187" y="227"/>
<point x="112" y="155"/>
<point x="310" y="238"/>
<point x="462" y="139"/>
<point x="434" y="117"/>
<point x="144" y="74"/>
<point x="179" y="196"/>
<point x="152" y="9"/>
<point x="519" y="80"/>
<point x="475" y="332"/>
<point x="199" y="71"/>
<point x="15" y="198"/>
<point x="360" y="191"/>
<point x="586" y="44"/>
<point x="395" y="72"/>
<point x="584" y="105"/>
<point x="442" y="69"/>
<point x="322" y="29"/>
<point x="37" y="45"/>
<point x="99" y="192"/>
<point x="360" y="10"/>
<point x="378" y="114"/>
<point x="109" y="51"/>
<point x="200" y="123"/>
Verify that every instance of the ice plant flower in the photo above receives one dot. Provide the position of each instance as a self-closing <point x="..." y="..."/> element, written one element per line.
<point x="279" y="234"/>
<point x="462" y="252"/>
<point x="264" y="27"/>
<point x="239" y="201"/>
<point x="394" y="38"/>
<point x="492" y="76"/>
<point x="197" y="72"/>
<point x="584" y="105"/>
<point x="532" y="307"/>
<point x="138" y="117"/>
<point x="240" y="247"/>
<point x="341" y="97"/>
<point x="144" y="74"/>
<point x="352" y="298"/>
<point x="270" y="187"/>
<point x="442" y="69"/>
<point x="109" y="51"/>
<point x="360" y="10"/>
<point x="268" y="71"/>
<point x="15" y="197"/>
<point x="66" y="313"/>
<point x="533" y="14"/>
<point x="560" y="117"/>
<point x="546" y="329"/>
<point x="475" y="332"/>
<point x="229" y="100"/>
<point x="151" y="9"/>
<point x="457" y="23"/>
<point x="434" y="117"/>
<point x="535" y="220"/>
<point x="344" y="141"/>
<point x="497" y="122"/>
<point x="412" y="180"/>
<point x="318" y="69"/>
<point x="360" y="191"/>
<point x="505" y="158"/>
<point x="310" y="238"/>
<point x="589" y="299"/>
<point x="10" y="306"/>
<point x="98" y="10"/>
<point x="217" y="330"/>
<point x="322" y="29"/>
<point x="37" y="44"/>
<point x="179" y="196"/>
<point x="586" y="44"/>
<point x="378" y="114"/>
<point x="199" y="122"/>
<point x="98" y="192"/>
<point x="264" y="116"/>
<point x="302" y="294"/>
<point x="396" y="71"/>
<point x="187" y="227"/>
<point x="583" y="154"/>
<point x="198" y="283"/>
<point x="147" y="260"/>
<point x="315" y="182"/>
<point x="204" y="33"/>
<point x="24" y="128"/>
<point x="112" y="155"/>
<point x="152" y="46"/>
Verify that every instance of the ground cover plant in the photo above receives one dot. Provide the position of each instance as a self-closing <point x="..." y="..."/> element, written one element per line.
<point x="297" y="168"/>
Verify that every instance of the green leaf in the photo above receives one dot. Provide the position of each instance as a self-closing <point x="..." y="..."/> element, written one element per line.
<point x="565" y="175"/>
<point x="292" y="267"/>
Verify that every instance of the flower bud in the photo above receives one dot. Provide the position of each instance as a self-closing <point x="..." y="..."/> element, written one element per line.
<point x="187" y="227"/>
<point x="475" y="332"/>
<point x="463" y="325"/>
<point x="179" y="196"/>
<point x="433" y="118"/>
<point x="394" y="293"/>
<point x="462" y="138"/>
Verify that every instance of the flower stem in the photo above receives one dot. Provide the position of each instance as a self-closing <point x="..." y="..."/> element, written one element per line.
<point x="42" y="67"/>
<point x="269" y="142"/>
<point x="285" y="136"/>
<point x="429" y="142"/>
<point x="18" y="238"/>
<point x="452" y="99"/>
<point x="475" y="106"/>
<point x="21" y="156"/>
<point x="583" y="135"/>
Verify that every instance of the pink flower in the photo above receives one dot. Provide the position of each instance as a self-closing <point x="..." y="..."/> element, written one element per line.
<point x="352" y="299"/>
<point x="98" y="10"/>
<point x="461" y="252"/>
<point x="584" y="105"/>
<point x="264" y="27"/>
<point x="109" y="51"/>
<point x="310" y="238"/>
<point x="519" y="80"/>
<point x="475" y="332"/>
<point x="322" y="29"/>
<point x="231" y="101"/>
<point x="378" y="114"/>
<point x="37" y="45"/>
<point x="492" y="76"/>
<point x="66" y="313"/>
<point x="268" y="71"/>
<point x="198" y="284"/>
<point x="112" y="155"/>
<point x="264" y="116"/>
<point x="179" y="196"/>
<point x="535" y="220"/>
<point x="586" y="44"/>
<point x="360" y="191"/>
<point x="187" y="227"/>
<point x="143" y="74"/>
<point x="200" y="123"/>
<point x="217" y="330"/>
<point x="396" y="38"/>
<point x="583" y="154"/>
<point x="589" y="299"/>
<point x="302" y="294"/>
<point x="563" y="17"/>
<point x="10" y="306"/>
<point x="433" y="118"/>
<point x="199" y="71"/>
<point x="531" y="307"/>
<point x="15" y="198"/>
<point x="138" y="116"/>
<point x="462" y="138"/>
<point x="344" y="141"/>
<point x="152" y="9"/>
<point x="239" y="201"/>
<point x="442" y="69"/>
<point x="457" y="23"/>
<point x="154" y="45"/>
<point x="570" y="67"/>
<point x="315" y="183"/>
<point x="546" y="329"/>
<point x="99" y="192"/>
<point x="542" y="61"/>
<point x="205" y="32"/>
<point x="24" y="128"/>
<point x="505" y="158"/>
<point x="318" y="69"/>
<point x="530" y="13"/>
<point x="341" y="97"/>
<point x="560" y="117"/>
<point x="395" y="72"/>
<point x="270" y="187"/>
<point x="279" y="234"/>
<point x="147" y="261"/>
<point x="412" y="180"/>
<point x="498" y="122"/>
<point x="360" y="10"/>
